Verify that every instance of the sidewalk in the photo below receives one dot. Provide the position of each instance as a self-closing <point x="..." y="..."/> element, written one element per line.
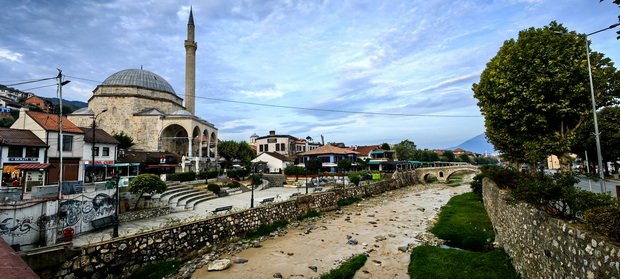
<point x="201" y="211"/>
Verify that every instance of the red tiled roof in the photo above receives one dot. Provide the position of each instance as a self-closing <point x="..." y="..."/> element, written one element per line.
<point x="365" y="150"/>
<point x="101" y="136"/>
<point x="50" y="122"/>
<point x="328" y="149"/>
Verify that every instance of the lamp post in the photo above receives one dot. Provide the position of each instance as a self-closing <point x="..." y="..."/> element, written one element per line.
<point x="92" y="163"/>
<point x="596" y="131"/>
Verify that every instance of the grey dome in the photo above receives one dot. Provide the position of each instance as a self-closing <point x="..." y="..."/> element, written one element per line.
<point x="140" y="78"/>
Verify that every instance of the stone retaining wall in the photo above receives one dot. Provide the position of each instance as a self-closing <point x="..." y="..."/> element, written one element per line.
<point x="123" y="255"/>
<point x="545" y="247"/>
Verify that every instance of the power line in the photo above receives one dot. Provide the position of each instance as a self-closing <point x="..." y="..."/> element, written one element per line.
<point x="318" y="109"/>
<point x="339" y="111"/>
<point x="30" y="81"/>
<point x="24" y="90"/>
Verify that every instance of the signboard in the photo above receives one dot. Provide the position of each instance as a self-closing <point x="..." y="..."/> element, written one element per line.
<point x="272" y="140"/>
<point x="99" y="162"/>
<point x="376" y="176"/>
<point x="27" y="159"/>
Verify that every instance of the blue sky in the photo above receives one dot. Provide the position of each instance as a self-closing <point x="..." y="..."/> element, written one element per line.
<point x="389" y="57"/>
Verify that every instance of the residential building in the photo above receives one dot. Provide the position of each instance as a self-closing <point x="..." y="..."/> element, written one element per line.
<point x="20" y="148"/>
<point x="276" y="162"/>
<point x="46" y="105"/>
<point x="47" y="128"/>
<point x="105" y="150"/>
<point x="330" y="156"/>
<point x="281" y="144"/>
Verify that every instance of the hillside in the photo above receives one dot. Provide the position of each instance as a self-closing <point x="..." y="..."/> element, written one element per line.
<point x="477" y="144"/>
<point x="77" y="104"/>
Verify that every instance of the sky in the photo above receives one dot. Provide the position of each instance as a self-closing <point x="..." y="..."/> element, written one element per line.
<point x="398" y="69"/>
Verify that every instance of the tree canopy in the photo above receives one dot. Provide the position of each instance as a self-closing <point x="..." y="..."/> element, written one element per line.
<point x="344" y="165"/>
<point x="406" y="150"/>
<point x="385" y="146"/>
<point x="313" y="164"/>
<point x="449" y="155"/>
<point x="125" y="140"/>
<point x="146" y="183"/>
<point x="231" y="150"/>
<point x="535" y="93"/>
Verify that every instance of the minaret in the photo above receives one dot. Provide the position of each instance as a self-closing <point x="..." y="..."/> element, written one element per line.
<point x="190" y="65"/>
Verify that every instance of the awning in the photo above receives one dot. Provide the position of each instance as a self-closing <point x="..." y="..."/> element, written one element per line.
<point x="374" y="163"/>
<point x="123" y="165"/>
<point x="163" y="166"/>
<point x="34" y="166"/>
<point x="10" y="169"/>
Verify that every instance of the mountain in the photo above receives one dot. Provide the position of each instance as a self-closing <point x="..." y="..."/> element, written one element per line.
<point x="477" y="144"/>
<point x="77" y="104"/>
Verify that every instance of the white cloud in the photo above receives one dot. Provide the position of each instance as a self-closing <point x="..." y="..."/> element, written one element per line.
<point x="11" y="56"/>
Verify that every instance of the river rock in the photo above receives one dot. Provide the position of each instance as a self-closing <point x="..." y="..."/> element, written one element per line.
<point x="219" y="265"/>
<point x="314" y="268"/>
<point x="240" y="261"/>
<point x="277" y="275"/>
<point x="352" y="241"/>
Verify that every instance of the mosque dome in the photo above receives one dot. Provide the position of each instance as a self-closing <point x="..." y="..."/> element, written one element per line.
<point x="140" y="78"/>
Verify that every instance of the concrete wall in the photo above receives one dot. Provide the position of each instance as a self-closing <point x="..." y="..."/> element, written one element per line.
<point x="545" y="247"/>
<point x="123" y="255"/>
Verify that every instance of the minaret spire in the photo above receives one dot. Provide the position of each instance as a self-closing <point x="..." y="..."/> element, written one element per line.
<point x="190" y="65"/>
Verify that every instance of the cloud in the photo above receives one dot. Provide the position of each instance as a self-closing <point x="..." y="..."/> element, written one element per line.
<point x="11" y="56"/>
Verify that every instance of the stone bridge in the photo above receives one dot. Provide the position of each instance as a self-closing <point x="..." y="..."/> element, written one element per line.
<point x="443" y="173"/>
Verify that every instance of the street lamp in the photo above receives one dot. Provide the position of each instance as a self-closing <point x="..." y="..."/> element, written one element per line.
<point x="596" y="132"/>
<point x="61" y="83"/>
<point x="92" y="163"/>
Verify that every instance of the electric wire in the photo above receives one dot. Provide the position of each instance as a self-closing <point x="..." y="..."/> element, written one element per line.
<point x="30" y="81"/>
<point x="319" y="109"/>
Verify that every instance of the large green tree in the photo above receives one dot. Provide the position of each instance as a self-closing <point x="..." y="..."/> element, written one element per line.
<point x="314" y="164"/>
<point x="125" y="140"/>
<point x="609" y="127"/>
<point x="146" y="183"/>
<point x="246" y="153"/>
<point x="406" y="150"/>
<point x="449" y="155"/>
<point x="344" y="165"/>
<point x="228" y="150"/>
<point x="534" y="94"/>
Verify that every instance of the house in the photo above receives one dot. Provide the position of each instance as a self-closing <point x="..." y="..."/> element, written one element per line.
<point x="46" y="105"/>
<point x="330" y="156"/>
<point x="103" y="148"/>
<point x="364" y="151"/>
<point x="20" y="152"/>
<point x="281" y="144"/>
<point x="47" y="128"/>
<point x="276" y="162"/>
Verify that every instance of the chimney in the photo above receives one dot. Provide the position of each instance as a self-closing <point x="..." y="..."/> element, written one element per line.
<point x="272" y="133"/>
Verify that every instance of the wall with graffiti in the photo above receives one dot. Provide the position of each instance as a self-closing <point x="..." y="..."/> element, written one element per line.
<point x="34" y="223"/>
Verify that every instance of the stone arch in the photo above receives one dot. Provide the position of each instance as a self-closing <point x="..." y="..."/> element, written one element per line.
<point x="196" y="140"/>
<point x="173" y="138"/>
<point x="441" y="174"/>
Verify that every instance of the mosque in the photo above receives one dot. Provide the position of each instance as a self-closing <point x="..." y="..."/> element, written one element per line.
<point x="144" y="106"/>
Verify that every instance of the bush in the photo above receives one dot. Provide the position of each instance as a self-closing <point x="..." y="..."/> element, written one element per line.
<point x="355" y="178"/>
<point x="184" y="176"/>
<point x="476" y="184"/>
<point x="347" y="201"/>
<point x="234" y="184"/>
<point x="266" y="229"/>
<point x="213" y="187"/>
<point x="310" y="214"/>
<point x="348" y="269"/>
<point x="207" y="174"/>
<point x="294" y="170"/>
<point x="604" y="220"/>
<point x="504" y="177"/>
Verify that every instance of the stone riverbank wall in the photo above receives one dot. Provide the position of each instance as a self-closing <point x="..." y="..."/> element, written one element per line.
<point x="120" y="256"/>
<point x="545" y="247"/>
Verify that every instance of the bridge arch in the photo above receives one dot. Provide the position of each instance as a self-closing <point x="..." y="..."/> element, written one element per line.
<point x="443" y="173"/>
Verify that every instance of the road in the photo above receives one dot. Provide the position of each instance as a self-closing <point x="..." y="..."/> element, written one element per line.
<point x="595" y="186"/>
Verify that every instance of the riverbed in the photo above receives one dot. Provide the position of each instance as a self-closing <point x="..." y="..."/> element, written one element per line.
<point x="386" y="227"/>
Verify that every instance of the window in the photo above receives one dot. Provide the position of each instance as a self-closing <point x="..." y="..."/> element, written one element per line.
<point x="32" y="152"/>
<point x="282" y="147"/>
<point x="266" y="147"/>
<point x="105" y="151"/>
<point x="96" y="151"/>
<point x="16" y="151"/>
<point x="261" y="148"/>
<point x="67" y="143"/>
<point x="277" y="147"/>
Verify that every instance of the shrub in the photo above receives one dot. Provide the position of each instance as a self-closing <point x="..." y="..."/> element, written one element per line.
<point x="213" y="187"/>
<point x="212" y="174"/>
<point x="355" y="178"/>
<point x="504" y="177"/>
<point x="604" y="220"/>
<point x="348" y="269"/>
<point x="310" y="214"/>
<point x="294" y="170"/>
<point x="266" y="229"/>
<point x="184" y="176"/>
<point x="347" y="201"/>
<point x="476" y="184"/>
<point x="235" y="184"/>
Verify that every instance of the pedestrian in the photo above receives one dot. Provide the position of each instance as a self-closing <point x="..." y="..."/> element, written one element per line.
<point x="16" y="183"/>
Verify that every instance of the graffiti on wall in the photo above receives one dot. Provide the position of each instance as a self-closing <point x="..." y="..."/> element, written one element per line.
<point x="100" y="206"/>
<point x="18" y="226"/>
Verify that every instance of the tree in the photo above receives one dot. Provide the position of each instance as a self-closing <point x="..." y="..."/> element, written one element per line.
<point x="6" y="122"/>
<point x="609" y="127"/>
<point x="344" y="165"/>
<point x="362" y="163"/>
<point x="465" y="158"/>
<point x="355" y="178"/>
<point x="534" y="94"/>
<point x="405" y="150"/>
<point x="618" y="3"/>
<point x="385" y="146"/>
<point x="449" y="155"/>
<point x="146" y="183"/>
<point x="125" y="140"/>
<point x="246" y="154"/>
<point x="228" y="149"/>
<point x="314" y="164"/>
